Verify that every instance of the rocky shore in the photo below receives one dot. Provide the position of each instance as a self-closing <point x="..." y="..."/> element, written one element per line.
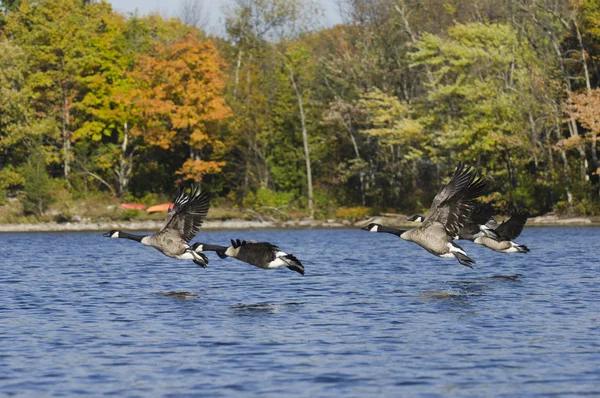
<point x="396" y="220"/>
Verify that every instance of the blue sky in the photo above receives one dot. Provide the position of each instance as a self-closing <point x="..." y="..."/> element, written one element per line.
<point x="213" y="7"/>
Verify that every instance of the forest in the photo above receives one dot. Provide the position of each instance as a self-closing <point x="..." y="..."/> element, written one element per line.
<point x="283" y="117"/>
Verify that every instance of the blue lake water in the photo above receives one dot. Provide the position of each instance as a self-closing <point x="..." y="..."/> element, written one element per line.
<point x="82" y="315"/>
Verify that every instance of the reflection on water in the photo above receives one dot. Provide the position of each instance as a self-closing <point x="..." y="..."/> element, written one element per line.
<point x="507" y="277"/>
<point x="376" y="316"/>
<point x="271" y="308"/>
<point x="180" y="295"/>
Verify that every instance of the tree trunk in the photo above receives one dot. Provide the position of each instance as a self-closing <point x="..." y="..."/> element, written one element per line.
<point x="361" y="174"/>
<point x="572" y="124"/>
<point x="125" y="164"/>
<point x="237" y="73"/>
<point x="583" y="59"/>
<point x="66" y="135"/>
<point x="533" y="138"/>
<point x="304" y="140"/>
<point x="563" y="156"/>
<point x="588" y="85"/>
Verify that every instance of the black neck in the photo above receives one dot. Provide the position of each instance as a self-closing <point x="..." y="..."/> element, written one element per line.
<point x="390" y="230"/>
<point x="213" y="248"/>
<point x="125" y="235"/>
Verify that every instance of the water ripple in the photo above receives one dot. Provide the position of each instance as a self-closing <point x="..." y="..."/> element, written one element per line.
<point x="374" y="316"/>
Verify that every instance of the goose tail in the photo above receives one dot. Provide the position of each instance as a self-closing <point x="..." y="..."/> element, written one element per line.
<point x="200" y="259"/>
<point x="293" y="263"/>
<point x="461" y="255"/>
<point x="464" y="259"/>
<point x="522" y="249"/>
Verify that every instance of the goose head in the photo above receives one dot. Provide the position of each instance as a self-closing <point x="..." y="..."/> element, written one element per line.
<point x="372" y="227"/>
<point x="111" y="234"/>
<point x="416" y="218"/>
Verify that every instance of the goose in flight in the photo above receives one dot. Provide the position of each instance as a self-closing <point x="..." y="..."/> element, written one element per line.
<point x="260" y="254"/>
<point x="504" y="235"/>
<point x="183" y="222"/>
<point x="451" y="208"/>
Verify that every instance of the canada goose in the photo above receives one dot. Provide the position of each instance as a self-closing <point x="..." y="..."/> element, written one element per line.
<point x="450" y="209"/>
<point x="183" y="222"/>
<point x="260" y="254"/>
<point x="505" y="233"/>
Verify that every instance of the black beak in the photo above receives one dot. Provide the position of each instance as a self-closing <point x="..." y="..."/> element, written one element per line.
<point x="365" y="228"/>
<point x="107" y="234"/>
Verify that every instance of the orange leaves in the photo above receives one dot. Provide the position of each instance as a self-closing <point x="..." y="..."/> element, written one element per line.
<point x="586" y="109"/>
<point x="180" y="88"/>
<point x="195" y="170"/>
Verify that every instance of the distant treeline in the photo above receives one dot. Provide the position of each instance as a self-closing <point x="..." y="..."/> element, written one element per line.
<point x="280" y="114"/>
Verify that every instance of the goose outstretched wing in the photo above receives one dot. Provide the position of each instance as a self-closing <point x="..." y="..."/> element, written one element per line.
<point x="455" y="202"/>
<point x="512" y="228"/>
<point x="188" y="213"/>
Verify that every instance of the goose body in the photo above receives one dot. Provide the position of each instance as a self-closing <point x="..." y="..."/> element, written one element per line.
<point x="504" y="235"/>
<point x="181" y="225"/>
<point x="260" y="254"/>
<point x="449" y="211"/>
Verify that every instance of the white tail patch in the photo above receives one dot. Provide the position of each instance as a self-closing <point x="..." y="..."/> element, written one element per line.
<point x="186" y="256"/>
<point x="514" y="248"/>
<point x="455" y="249"/>
<point x="279" y="261"/>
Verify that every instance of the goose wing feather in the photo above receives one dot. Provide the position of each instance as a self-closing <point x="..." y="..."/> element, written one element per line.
<point x="455" y="202"/>
<point x="186" y="216"/>
<point x="512" y="228"/>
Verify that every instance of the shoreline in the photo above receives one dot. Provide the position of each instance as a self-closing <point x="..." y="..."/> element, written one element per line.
<point x="148" y="225"/>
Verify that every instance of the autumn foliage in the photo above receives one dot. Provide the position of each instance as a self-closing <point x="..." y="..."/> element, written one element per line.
<point x="279" y="114"/>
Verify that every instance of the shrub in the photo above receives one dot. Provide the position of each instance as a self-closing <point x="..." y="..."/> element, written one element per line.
<point x="37" y="187"/>
<point x="266" y="197"/>
<point x="130" y="214"/>
<point x="352" y="213"/>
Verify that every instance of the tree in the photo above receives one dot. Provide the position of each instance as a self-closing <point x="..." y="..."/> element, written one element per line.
<point x="584" y="108"/>
<point x="55" y="35"/>
<point x="480" y="101"/>
<point x="180" y="102"/>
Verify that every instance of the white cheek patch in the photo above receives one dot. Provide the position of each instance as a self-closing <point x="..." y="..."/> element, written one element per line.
<point x="375" y="228"/>
<point x="231" y="252"/>
<point x="115" y="235"/>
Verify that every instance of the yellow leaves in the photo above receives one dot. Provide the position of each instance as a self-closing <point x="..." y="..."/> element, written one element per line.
<point x="390" y="118"/>
<point x="570" y="143"/>
<point x="194" y="169"/>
